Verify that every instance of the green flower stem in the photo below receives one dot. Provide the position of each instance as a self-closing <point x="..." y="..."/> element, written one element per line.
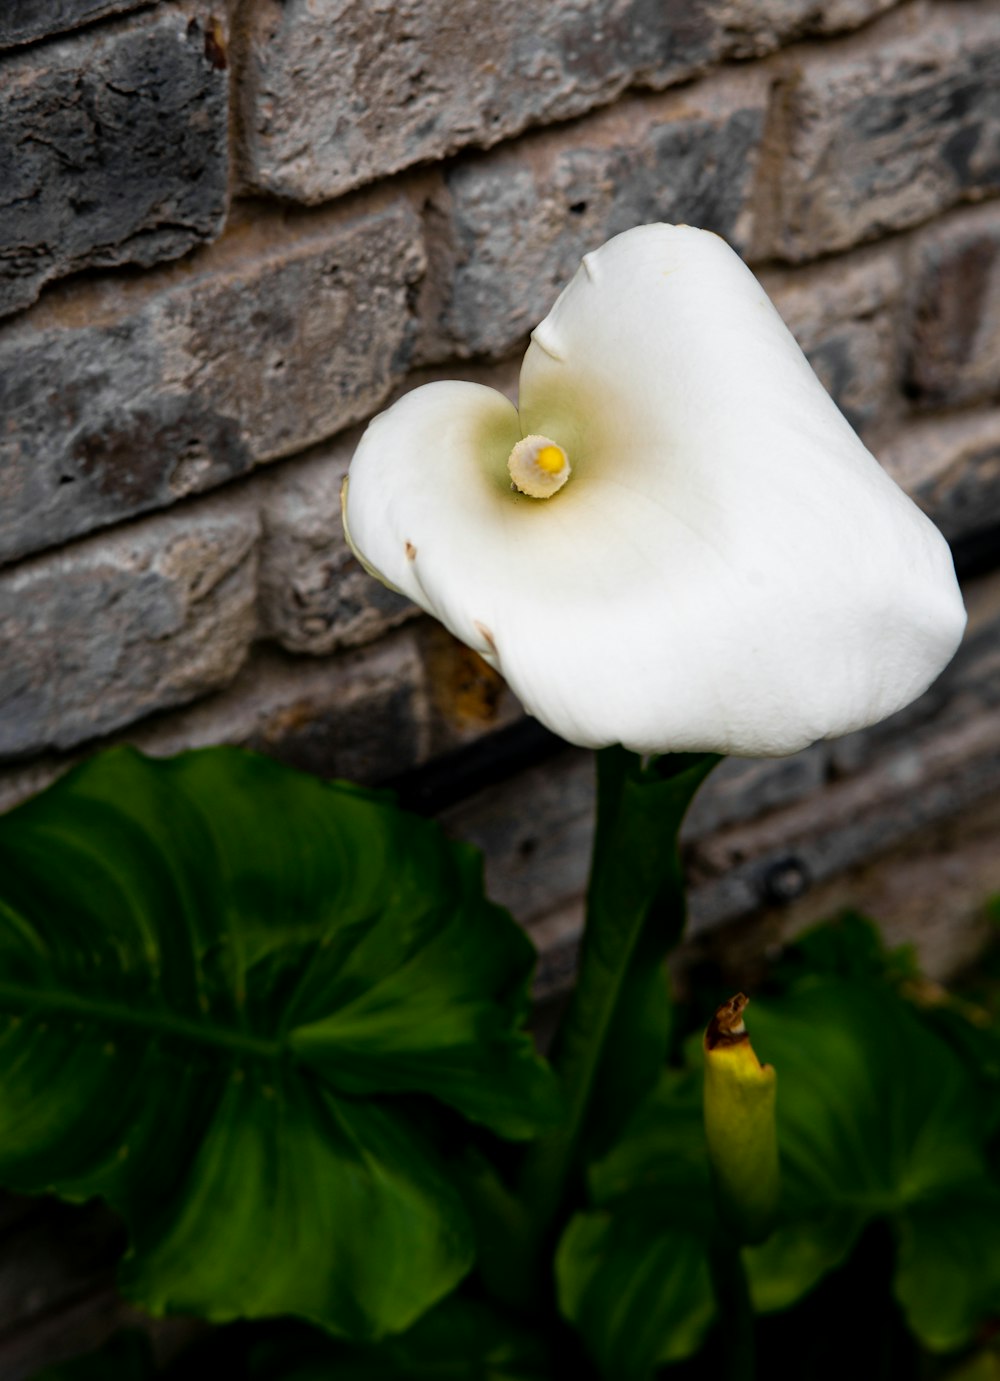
<point x="732" y="1293"/>
<point x="613" y="1039"/>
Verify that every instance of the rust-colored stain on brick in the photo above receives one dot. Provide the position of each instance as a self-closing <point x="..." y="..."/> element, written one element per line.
<point x="464" y="687"/>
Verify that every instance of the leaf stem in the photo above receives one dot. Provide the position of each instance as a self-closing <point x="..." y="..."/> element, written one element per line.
<point x="735" y="1330"/>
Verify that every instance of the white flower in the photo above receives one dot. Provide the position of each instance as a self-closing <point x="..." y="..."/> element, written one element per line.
<point x="720" y="566"/>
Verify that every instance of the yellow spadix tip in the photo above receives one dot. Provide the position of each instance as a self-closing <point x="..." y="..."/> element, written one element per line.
<point x="551" y="459"/>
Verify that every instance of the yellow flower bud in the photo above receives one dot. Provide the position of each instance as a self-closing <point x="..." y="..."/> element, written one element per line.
<point x="740" y="1126"/>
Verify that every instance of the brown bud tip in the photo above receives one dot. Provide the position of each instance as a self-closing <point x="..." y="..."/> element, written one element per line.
<point x="726" y="1027"/>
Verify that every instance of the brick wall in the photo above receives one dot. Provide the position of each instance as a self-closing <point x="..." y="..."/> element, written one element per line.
<point x="228" y="238"/>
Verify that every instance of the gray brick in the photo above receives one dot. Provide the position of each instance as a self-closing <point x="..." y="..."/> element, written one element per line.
<point x="113" y="149"/>
<point x="951" y="466"/>
<point x="886" y="129"/>
<point x="340" y="91"/>
<point x="23" y="21"/>
<point x="522" y="218"/>
<point x="844" y="314"/>
<point x="314" y="595"/>
<point x="155" y="615"/>
<point x="361" y="715"/>
<point x="337" y="92"/>
<point x="954" y="347"/>
<point x="119" y="397"/>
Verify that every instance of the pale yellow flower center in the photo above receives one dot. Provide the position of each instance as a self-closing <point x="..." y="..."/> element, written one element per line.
<point x="538" y="467"/>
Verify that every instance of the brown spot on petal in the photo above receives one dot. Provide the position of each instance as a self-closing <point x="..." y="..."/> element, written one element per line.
<point x="411" y="552"/>
<point x="487" y="637"/>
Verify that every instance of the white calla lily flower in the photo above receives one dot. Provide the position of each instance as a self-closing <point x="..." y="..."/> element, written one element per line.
<point x="676" y="542"/>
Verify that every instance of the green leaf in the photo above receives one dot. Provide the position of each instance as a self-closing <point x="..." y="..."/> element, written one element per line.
<point x="213" y="971"/>
<point x="874" y="1112"/>
<point x="633" y="1276"/>
<point x="636" y="1287"/>
<point x="877" y="1117"/>
<point x="798" y="1255"/>
<point x="948" y="1273"/>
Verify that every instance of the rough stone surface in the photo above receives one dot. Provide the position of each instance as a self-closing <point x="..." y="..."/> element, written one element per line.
<point x="22" y="21"/>
<point x="929" y="892"/>
<point x="121" y="397"/>
<point x="157" y="614"/>
<point x="341" y="91"/>
<point x="113" y="149"/>
<point x="314" y="594"/>
<point x="844" y="314"/>
<point x="951" y="466"/>
<point x="361" y="716"/>
<point x="520" y="219"/>
<point x="755" y="27"/>
<point x="954" y="339"/>
<point x="885" y="130"/>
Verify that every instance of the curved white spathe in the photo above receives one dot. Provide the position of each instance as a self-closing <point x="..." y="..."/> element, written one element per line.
<point x="728" y="569"/>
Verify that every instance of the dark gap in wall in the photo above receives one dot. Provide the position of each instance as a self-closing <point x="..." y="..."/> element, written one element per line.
<point x="444" y="781"/>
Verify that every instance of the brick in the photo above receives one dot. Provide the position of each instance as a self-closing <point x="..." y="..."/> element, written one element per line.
<point x="361" y="715"/>
<point x="884" y="130"/>
<point x="521" y="218"/>
<point x="954" y="350"/>
<point x="123" y="396"/>
<point x="314" y="595"/>
<point x="337" y="92"/>
<point x="113" y="149"/>
<point x="155" y="615"/>
<point x="755" y="27"/>
<point x="929" y="892"/>
<point x="844" y="314"/>
<point x="951" y="467"/>
<point x="340" y="91"/>
<point x="27" y="20"/>
<point x="927" y="781"/>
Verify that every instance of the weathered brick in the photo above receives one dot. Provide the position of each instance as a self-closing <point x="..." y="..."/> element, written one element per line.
<point x="337" y="92"/>
<point x="340" y="91"/>
<point x="755" y="27"/>
<point x="954" y="341"/>
<point x="844" y="314"/>
<point x="951" y="467"/>
<point x="122" y="396"/>
<point x="113" y="149"/>
<point x="929" y="892"/>
<point x="885" y="129"/>
<point x="522" y="217"/>
<point x="26" y="20"/>
<point x="155" y="615"/>
<point x="361" y="715"/>
<point x="314" y="594"/>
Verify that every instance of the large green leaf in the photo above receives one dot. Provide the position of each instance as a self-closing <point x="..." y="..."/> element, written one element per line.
<point x="633" y="1273"/>
<point x="213" y="972"/>
<point x="878" y="1118"/>
<point x="636" y="1287"/>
